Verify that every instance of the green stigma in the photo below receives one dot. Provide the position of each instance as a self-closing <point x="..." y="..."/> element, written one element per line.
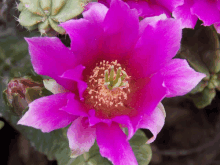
<point x="112" y="83"/>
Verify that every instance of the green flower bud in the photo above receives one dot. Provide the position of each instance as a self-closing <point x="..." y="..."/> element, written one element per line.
<point x="47" y="14"/>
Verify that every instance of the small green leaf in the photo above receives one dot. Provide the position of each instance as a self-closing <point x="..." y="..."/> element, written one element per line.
<point x="200" y="87"/>
<point x="204" y="98"/>
<point x="141" y="150"/>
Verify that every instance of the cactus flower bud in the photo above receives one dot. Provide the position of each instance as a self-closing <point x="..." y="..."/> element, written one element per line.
<point x="20" y="92"/>
<point x="47" y="14"/>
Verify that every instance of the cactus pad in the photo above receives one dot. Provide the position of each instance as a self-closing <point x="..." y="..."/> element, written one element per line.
<point x="47" y="14"/>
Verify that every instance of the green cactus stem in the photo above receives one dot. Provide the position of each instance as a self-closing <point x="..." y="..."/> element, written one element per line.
<point x="202" y="50"/>
<point x="204" y="98"/>
<point x="47" y="14"/>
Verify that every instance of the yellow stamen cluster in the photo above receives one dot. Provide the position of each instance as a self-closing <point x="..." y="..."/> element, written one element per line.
<point x="105" y="93"/>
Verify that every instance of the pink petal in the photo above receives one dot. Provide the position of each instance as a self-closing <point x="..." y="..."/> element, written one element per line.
<point x="93" y="120"/>
<point x="180" y="78"/>
<point x="153" y="122"/>
<point x="81" y="136"/>
<point x="95" y="12"/>
<point x="74" y="107"/>
<point x="148" y="9"/>
<point x="157" y="46"/>
<point x="183" y="13"/>
<point x="150" y="21"/>
<point x="170" y="4"/>
<point x="146" y="98"/>
<point x="148" y="93"/>
<point x="86" y="39"/>
<point x="47" y="57"/>
<point x="113" y="145"/>
<point x="126" y="122"/>
<point x="121" y="30"/>
<point x="76" y="75"/>
<point x="105" y="2"/>
<point x="45" y="114"/>
<point x="217" y="27"/>
<point x="207" y="11"/>
<point x="218" y="5"/>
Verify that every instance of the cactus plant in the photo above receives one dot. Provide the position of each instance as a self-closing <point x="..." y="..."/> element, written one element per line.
<point x="47" y="14"/>
<point x="202" y="51"/>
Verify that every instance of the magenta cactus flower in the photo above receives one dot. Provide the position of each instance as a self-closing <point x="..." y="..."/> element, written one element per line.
<point x="149" y="8"/>
<point x="184" y="14"/>
<point x="114" y="75"/>
<point x="206" y="10"/>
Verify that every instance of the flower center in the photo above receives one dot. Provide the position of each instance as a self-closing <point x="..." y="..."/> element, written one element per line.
<point x="108" y="89"/>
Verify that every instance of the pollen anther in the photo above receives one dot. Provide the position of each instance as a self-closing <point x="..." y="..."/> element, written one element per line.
<point x="108" y="88"/>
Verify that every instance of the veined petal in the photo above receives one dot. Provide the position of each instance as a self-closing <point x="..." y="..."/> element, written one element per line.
<point x="95" y="12"/>
<point x="50" y="57"/>
<point x="47" y="56"/>
<point x="93" y="120"/>
<point x="45" y="114"/>
<point x="113" y="144"/>
<point x="146" y="99"/>
<point x="180" y="78"/>
<point x="74" y="107"/>
<point x="154" y="122"/>
<point x="183" y="13"/>
<point x="150" y="21"/>
<point x="207" y="11"/>
<point x="81" y="136"/>
<point x="76" y="75"/>
<point x="86" y="39"/>
<point x="121" y="27"/>
<point x="157" y="46"/>
<point x="148" y="9"/>
<point x="170" y="4"/>
<point x="105" y="2"/>
<point x="125" y="121"/>
<point x="217" y="27"/>
<point x="147" y="94"/>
